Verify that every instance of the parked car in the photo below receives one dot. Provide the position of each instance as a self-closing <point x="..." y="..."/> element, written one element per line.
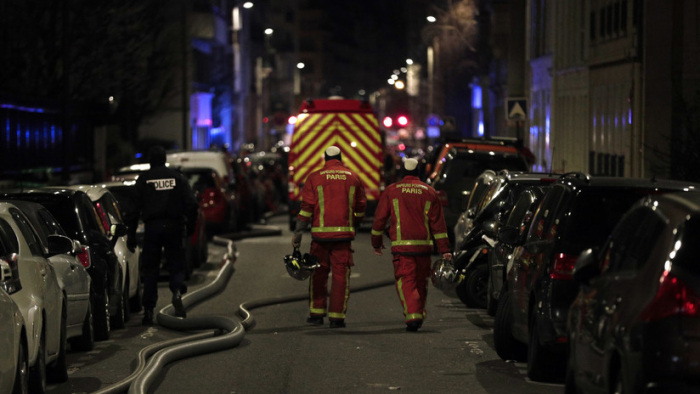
<point x="110" y="214"/>
<point x="197" y="249"/>
<point x="635" y="324"/>
<point x="459" y="171"/>
<point x="480" y="241"/>
<point x="225" y="183"/>
<point x="72" y="276"/>
<point x="472" y="205"/>
<point x="40" y="299"/>
<point x="14" y="366"/>
<point x="577" y="213"/>
<point x="80" y="220"/>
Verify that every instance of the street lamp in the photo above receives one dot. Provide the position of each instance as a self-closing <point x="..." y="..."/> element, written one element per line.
<point x="431" y="19"/>
<point x="399" y="85"/>
<point x="300" y="65"/>
<point x="409" y="61"/>
<point x="248" y="5"/>
<point x="269" y="31"/>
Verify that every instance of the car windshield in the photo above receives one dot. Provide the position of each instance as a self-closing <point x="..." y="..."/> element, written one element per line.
<point x="462" y="170"/>
<point x="200" y="180"/>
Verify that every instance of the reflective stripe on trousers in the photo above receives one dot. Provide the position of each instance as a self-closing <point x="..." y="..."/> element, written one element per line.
<point x="411" y="274"/>
<point x="335" y="259"/>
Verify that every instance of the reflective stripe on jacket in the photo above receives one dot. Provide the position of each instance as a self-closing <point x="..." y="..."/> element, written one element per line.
<point x="416" y="218"/>
<point x="333" y="201"/>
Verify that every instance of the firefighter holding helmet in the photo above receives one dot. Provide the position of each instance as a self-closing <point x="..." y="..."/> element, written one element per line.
<point x="416" y="219"/>
<point x="333" y="204"/>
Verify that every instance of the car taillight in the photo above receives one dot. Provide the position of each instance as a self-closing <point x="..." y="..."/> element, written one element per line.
<point x="673" y="298"/>
<point x="563" y="267"/>
<point x="84" y="256"/>
<point x="103" y="216"/>
<point x="442" y="195"/>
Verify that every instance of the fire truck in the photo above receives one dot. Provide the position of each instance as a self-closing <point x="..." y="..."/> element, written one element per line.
<point x="352" y="126"/>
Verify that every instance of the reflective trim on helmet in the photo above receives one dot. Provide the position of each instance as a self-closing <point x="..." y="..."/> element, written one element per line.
<point x="375" y="232"/>
<point x="359" y="214"/>
<point x="331" y="229"/>
<point x="398" y="219"/>
<point x="414" y="316"/>
<point x="321" y="205"/>
<point x="305" y="214"/>
<point x="440" y="235"/>
<point x="399" y="288"/>
<point x="414" y="242"/>
<point x="351" y="200"/>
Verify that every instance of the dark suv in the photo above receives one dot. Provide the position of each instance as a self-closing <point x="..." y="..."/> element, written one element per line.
<point x="635" y="325"/>
<point x="457" y="175"/>
<point x="577" y="213"/>
<point x="78" y="217"/>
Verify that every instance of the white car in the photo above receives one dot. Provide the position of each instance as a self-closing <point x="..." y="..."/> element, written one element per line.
<point x="111" y="214"/>
<point x="73" y="278"/>
<point x="40" y="299"/>
<point x="14" y="369"/>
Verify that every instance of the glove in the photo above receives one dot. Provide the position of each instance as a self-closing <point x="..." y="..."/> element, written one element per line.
<point x="378" y="251"/>
<point x="296" y="240"/>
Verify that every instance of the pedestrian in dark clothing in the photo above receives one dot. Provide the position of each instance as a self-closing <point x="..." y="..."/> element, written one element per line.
<point x="166" y="203"/>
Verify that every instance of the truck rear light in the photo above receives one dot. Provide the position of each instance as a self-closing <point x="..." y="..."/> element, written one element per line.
<point x="442" y="195"/>
<point x="673" y="298"/>
<point x="563" y="268"/>
<point x="84" y="257"/>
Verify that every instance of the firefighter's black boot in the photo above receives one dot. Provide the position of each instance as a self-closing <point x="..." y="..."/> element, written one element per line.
<point x="315" y="320"/>
<point x="147" y="317"/>
<point x="337" y="323"/>
<point x="177" y="304"/>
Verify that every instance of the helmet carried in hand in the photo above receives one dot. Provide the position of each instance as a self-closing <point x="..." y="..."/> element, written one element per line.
<point x="300" y="267"/>
<point x="444" y="276"/>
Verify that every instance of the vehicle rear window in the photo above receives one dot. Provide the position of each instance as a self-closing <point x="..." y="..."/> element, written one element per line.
<point x="64" y="212"/>
<point x="595" y="213"/>
<point x="473" y="165"/>
<point x="200" y="180"/>
<point x="687" y="255"/>
<point x="125" y="198"/>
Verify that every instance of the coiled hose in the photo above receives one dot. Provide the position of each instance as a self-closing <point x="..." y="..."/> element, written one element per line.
<point x="226" y="332"/>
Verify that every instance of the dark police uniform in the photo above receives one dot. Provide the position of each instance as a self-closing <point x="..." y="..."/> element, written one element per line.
<point x="168" y="207"/>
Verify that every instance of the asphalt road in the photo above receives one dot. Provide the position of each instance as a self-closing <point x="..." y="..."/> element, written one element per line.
<point x="452" y="353"/>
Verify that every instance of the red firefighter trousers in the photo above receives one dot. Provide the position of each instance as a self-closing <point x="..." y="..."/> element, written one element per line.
<point x="411" y="273"/>
<point x="335" y="258"/>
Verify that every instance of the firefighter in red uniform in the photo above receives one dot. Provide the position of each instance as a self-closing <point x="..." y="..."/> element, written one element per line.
<point x="333" y="203"/>
<point x="416" y="219"/>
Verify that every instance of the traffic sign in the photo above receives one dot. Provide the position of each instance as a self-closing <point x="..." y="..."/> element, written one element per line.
<point x="516" y="108"/>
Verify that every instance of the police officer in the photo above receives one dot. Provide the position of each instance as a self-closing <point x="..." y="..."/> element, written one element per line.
<point x="333" y="203"/>
<point x="167" y="204"/>
<point x="416" y="219"/>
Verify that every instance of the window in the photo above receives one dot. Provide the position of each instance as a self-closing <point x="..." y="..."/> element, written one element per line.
<point x="522" y="212"/>
<point x="633" y="240"/>
<point x="50" y="223"/>
<point x="539" y="229"/>
<point x="623" y="16"/>
<point x="616" y="23"/>
<point x="8" y="238"/>
<point x="602" y="22"/>
<point x="27" y="232"/>
<point x="592" y="31"/>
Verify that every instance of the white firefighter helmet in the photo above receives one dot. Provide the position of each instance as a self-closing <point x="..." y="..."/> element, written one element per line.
<point x="300" y="267"/>
<point x="444" y="276"/>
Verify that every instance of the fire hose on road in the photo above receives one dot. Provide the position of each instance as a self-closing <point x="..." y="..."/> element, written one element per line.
<point x="226" y="333"/>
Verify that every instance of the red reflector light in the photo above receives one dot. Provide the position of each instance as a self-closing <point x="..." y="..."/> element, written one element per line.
<point x="84" y="256"/>
<point x="442" y="195"/>
<point x="673" y="298"/>
<point x="563" y="268"/>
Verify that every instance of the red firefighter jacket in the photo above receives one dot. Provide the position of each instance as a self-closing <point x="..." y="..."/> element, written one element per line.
<point x="416" y="218"/>
<point x="333" y="201"/>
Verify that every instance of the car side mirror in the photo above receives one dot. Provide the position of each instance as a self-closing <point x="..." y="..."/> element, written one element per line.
<point x="60" y="244"/>
<point x="471" y="213"/>
<point x="509" y="235"/>
<point x="118" y="230"/>
<point x="9" y="274"/>
<point x="586" y="267"/>
<point x="77" y="247"/>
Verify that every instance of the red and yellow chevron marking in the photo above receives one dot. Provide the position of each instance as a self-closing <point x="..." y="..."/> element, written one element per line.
<point x="357" y="136"/>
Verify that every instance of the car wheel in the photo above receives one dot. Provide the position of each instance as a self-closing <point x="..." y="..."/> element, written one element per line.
<point x="507" y="347"/>
<point x="57" y="372"/>
<point x="100" y="311"/>
<point x="543" y="365"/>
<point x="86" y="341"/>
<point x="135" y="301"/>
<point x="21" y="385"/>
<point x="491" y="301"/>
<point x="476" y="287"/>
<point x="117" y="320"/>
<point x="570" y="378"/>
<point x="37" y="373"/>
